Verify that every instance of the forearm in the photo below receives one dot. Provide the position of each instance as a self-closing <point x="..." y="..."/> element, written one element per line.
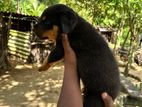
<point x="70" y="92"/>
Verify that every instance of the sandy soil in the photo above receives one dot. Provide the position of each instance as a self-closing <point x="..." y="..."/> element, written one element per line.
<point x="24" y="86"/>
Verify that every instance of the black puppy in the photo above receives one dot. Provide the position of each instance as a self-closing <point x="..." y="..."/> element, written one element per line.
<point x="96" y="64"/>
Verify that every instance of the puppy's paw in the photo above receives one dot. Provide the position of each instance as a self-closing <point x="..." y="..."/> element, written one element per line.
<point x="42" y="68"/>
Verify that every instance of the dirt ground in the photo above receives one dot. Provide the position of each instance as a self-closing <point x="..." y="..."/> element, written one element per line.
<point x="24" y="86"/>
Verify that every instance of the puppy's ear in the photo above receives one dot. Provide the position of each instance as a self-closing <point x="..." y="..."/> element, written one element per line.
<point x="68" y="21"/>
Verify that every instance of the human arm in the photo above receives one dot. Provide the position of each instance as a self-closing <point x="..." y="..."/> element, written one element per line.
<point x="70" y="92"/>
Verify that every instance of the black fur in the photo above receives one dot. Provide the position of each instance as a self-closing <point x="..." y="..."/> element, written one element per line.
<point x="96" y="64"/>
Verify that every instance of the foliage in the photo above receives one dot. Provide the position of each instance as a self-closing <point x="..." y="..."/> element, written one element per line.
<point x="28" y="7"/>
<point x="123" y="36"/>
<point x="49" y="2"/>
<point x="118" y="14"/>
<point x="8" y="5"/>
<point x="31" y="7"/>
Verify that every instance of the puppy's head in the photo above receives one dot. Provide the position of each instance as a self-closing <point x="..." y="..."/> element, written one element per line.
<point x="55" y="20"/>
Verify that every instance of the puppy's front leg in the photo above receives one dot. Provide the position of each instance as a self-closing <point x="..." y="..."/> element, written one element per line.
<point x="55" y="55"/>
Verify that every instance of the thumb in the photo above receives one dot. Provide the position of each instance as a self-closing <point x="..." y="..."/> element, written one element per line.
<point x="65" y="41"/>
<point x="107" y="100"/>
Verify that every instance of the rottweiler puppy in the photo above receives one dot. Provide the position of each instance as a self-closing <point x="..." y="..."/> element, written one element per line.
<point x="96" y="64"/>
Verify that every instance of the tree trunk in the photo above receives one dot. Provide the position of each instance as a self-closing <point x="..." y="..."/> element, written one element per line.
<point x="132" y="39"/>
<point x="125" y="40"/>
<point x="121" y="27"/>
<point x="4" y="63"/>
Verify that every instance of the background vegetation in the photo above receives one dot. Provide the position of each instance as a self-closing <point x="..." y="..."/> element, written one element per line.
<point x="123" y="15"/>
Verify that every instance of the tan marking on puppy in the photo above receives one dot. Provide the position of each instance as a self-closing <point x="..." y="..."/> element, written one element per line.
<point x="45" y="66"/>
<point x="51" y="34"/>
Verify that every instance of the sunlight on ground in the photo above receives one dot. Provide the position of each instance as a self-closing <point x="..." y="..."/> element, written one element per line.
<point x="24" y="86"/>
<point x="23" y="66"/>
<point x="56" y="68"/>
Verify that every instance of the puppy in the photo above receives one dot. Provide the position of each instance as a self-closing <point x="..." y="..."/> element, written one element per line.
<point x="96" y="64"/>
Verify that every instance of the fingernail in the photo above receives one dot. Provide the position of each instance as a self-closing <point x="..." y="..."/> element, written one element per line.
<point x="63" y="35"/>
<point x="104" y="95"/>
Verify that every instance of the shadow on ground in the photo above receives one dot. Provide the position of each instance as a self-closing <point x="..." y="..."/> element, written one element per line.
<point x="24" y="86"/>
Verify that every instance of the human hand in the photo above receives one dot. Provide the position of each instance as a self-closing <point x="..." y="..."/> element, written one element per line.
<point x="107" y="100"/>
<point x="70" y="92"/>
<point x="69" y="57"/>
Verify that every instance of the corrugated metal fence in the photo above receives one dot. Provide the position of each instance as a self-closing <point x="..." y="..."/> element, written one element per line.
<point x="19" y="44"/>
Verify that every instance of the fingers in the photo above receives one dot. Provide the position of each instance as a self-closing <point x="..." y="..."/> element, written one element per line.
<point x="70" y="57"/>
<point x="107" y="100"/>
<point x="65" y="41"/>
